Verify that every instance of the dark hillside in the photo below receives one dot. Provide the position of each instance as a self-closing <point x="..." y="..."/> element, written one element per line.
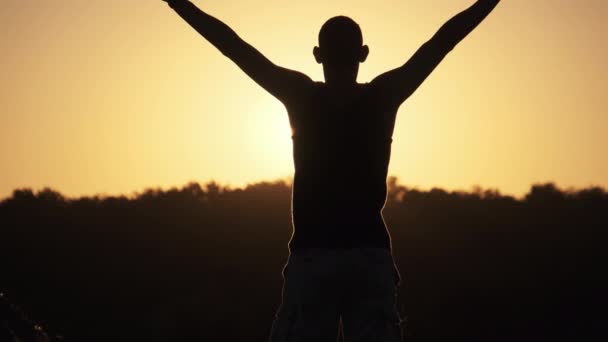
<point x="204" y="262"/>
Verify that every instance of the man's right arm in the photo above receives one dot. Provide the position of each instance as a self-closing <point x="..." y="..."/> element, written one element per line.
<point x="282" y="83"/>
<point x="397" y="85"/>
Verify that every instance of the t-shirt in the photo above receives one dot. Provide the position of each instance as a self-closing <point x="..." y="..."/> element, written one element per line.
<point x="341" y="151"/>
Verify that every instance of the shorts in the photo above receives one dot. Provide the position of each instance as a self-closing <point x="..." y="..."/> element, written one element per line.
<point x="323" y="287"/>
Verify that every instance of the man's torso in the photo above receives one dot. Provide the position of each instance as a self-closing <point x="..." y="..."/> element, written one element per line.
<point x="341" y="149"/>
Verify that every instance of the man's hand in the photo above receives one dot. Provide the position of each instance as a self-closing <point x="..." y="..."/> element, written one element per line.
<point x="172" y="3"/>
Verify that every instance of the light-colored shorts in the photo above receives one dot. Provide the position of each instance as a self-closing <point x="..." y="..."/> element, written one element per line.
<point x="322" y="287"/>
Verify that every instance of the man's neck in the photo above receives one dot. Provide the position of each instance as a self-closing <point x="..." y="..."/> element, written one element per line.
<point x="341" y="85"/>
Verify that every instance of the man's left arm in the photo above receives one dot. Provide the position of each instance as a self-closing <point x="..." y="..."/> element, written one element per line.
<point x="397" y="85"/>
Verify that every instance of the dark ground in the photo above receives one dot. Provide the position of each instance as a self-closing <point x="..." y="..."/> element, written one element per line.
<point x="204" y="263"/>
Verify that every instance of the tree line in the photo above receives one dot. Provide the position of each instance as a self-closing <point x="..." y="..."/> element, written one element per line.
<point x="204" y="262"/>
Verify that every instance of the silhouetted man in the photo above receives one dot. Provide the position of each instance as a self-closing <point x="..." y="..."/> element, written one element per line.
<point x="341" y="265"/>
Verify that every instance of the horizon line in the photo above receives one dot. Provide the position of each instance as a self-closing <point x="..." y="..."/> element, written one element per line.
<point x="288" y="181"/>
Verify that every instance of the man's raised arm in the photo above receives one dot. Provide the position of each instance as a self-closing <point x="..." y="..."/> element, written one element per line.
<point x="283" y="83"/>
<point x="398" y="84"/>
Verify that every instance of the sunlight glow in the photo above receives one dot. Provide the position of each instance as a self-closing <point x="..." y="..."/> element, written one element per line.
<point x="115" y="96"/>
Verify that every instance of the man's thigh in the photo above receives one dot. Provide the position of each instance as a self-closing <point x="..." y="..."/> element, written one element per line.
<point x="309" y="308"/>
<point x="369" y="307"/>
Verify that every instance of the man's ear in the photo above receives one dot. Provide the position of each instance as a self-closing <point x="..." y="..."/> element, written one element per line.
<point x="317" y="52"/>
<point x="364" y="53"/>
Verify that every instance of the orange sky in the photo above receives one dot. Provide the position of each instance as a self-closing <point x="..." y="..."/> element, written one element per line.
<point x="115" y="96"/>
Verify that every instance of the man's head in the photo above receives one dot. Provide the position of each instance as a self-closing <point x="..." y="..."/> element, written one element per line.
<point x="341" y="47"/>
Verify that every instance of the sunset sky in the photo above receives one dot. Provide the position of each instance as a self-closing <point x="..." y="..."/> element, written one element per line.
<point x="114" y="96"/>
